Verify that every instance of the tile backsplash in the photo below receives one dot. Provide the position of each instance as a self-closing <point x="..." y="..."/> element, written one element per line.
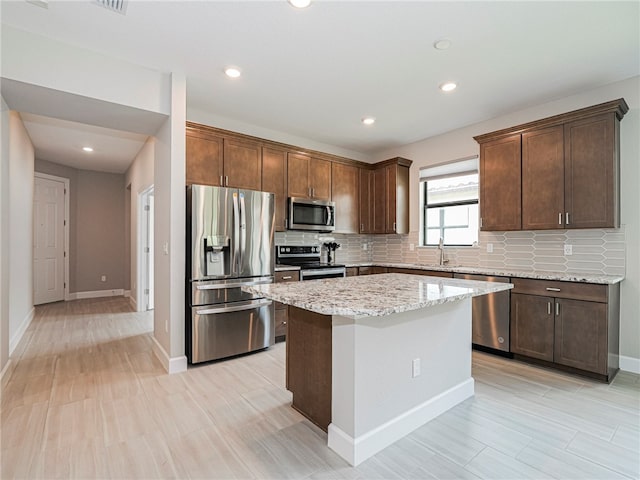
<point x="595" y="251"/>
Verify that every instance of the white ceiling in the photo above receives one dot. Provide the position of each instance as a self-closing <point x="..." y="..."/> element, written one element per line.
<point x="314" y="73"/>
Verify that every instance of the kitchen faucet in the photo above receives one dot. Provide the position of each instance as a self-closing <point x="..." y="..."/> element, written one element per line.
<point x="441" y="247"/>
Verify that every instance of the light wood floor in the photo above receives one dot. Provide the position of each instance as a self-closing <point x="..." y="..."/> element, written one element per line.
<point x="85" y="398"/>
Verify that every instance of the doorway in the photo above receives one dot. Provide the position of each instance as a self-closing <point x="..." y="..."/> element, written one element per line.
<point x="145" y="250"/>
<point x="50" y="238"/>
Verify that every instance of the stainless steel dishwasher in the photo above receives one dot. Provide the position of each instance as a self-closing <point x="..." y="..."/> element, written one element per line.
<point x="490" y="315"/>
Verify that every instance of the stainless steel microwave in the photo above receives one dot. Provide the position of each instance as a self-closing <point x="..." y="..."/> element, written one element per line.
<point x="307" y="214"/>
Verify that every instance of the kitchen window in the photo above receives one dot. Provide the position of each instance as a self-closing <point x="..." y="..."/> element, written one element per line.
<point x="449" y="200"/>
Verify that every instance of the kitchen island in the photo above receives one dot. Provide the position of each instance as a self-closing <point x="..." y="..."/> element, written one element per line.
<point x="370" y="359"/>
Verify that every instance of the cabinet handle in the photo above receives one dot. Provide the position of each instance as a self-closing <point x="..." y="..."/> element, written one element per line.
<point x="548" y="308"/>
<point x="480" y="222"/>
<point x="284" y="323"/>
<point x="394" y="226"/>
<point x="557" y="309"/>
<point x="552" y="289"/>
<point x="288" y="277"/>
<point x="221" y="181"/>
<point x="313" y="192"/>
<point x="362" y="227"/>
<point x="566" y="215"/>
<point x="560" y="218"/>
<point x="226" y="180"/>
<point x="309" y="190"/>
<point x="286" y="223"/>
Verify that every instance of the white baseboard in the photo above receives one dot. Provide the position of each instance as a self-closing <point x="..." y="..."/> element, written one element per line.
<point x="630" y="364"/>
<point x="171" y="365"/>
<point x="357" y="450"/>
<point x="134" y="304"/>
<point x="127" y="293"/>
<point x="117" y="292"/>
<point x="22" y="328"/>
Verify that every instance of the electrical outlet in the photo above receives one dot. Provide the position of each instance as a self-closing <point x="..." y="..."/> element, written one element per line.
<point x="364" y="246"/>
<point x="103" y="278"/>
<point x="568" y="249"/>
<point x="415" y="368"/>
<point x="412" y="247"/>
<point x="489" y="247"/>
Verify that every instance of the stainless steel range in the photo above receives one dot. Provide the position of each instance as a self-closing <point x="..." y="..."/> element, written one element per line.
<point x="308" y="258"/>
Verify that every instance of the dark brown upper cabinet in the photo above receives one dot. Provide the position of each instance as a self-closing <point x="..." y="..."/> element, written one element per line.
<point x="345" y="192"/>
<point x="308" y="177"/>
<point x="556" y="173"/>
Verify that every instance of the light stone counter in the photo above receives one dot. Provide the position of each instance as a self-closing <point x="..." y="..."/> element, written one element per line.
<point x="374" y="295"/>
<point x="502" y="272"/>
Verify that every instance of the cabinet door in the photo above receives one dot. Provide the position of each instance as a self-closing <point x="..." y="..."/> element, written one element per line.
<point x="345" y="192"/>
<point x="543" y="179"/>
<point x="500" y="184"/>
<point x="298" y="175"/>
<point x="366" y="200"/>
<point x="379" y="200"/>
<point x="242" y="164"/>
<point x="274" y="180"/>
<point x="532" y="326"/>
<point x="591" y="172"/>
<point x="203" y="159"/>
<point x="398" y="199"/>
<point x="320" y="178"/>
<point x="581" y="335"/>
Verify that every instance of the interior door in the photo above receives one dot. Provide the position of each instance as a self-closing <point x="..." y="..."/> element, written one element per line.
<point x="48" y="241"/>
<point x="150" y="252"/>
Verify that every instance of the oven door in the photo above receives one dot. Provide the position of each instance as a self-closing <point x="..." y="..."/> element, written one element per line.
<point x="317" y="273"/>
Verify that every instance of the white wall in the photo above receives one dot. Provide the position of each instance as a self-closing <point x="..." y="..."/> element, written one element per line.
<point x="4" y="235"/>
<point x="49" y="63"/>
<point x="459" y="143"/>
<point x="138" y="177"/>
<point x="170" y="225"/>
<point x="21" y="162"/>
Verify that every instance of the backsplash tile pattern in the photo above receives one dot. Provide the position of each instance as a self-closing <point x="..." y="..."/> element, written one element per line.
<point x="595" y="251"/>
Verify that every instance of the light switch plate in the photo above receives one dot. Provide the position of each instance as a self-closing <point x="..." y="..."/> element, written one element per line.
<point x="568" y="249"/>
<point x="489" y="247"/>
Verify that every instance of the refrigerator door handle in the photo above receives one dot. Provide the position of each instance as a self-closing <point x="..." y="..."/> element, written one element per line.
<point x="236" y="233"/>
<point x="243" y="230"/>
<point x="235" y="308"/>
<point x="221" y="286"/>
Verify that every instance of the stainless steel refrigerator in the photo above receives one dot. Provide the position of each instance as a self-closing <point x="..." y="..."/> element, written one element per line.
<point x="229" y="244"/>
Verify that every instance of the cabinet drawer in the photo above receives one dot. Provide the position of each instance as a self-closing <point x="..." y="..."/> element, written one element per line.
<point x="549" y="288"/>
<point x="365" y="270"/>
<point x="288" y="276"/>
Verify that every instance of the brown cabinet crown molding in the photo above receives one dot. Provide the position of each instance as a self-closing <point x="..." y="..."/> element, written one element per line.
<point x="204" y="129"/>
<point x="619" y="107"/>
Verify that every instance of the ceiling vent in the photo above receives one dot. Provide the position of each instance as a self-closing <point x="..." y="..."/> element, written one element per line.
<point x="118" y="6"/>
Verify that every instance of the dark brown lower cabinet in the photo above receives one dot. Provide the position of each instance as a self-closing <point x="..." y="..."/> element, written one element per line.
<point x="309" y="365"/>
<point x="419" y="271"/>
<point x="282" y="310"/>
<point x="581" y="335"/>
<point x="532" y="326"/>
<point x="572" y="326"/>
<point x="352" y="271"/>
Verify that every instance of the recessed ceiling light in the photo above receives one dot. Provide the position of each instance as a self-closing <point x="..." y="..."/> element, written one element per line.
<point x="87" y="149"/>
<point x="300" y="3"/>
<point x="442" y="44"/>
<point x="232" y="72"/>
<point x="368" y="120"/>
<point x="448" y="86"/>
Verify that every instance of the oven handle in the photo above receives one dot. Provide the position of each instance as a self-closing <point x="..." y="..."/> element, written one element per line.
<point x="220" y="286"/>
<point x="235" y="308"/>
<point x="321" y="271"/>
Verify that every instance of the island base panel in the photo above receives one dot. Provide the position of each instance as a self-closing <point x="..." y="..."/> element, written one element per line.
<point x="309" y="364"/>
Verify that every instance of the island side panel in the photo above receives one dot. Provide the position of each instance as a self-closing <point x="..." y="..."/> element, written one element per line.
<point x="376" y="399"/>
<point x="309" y="364"/>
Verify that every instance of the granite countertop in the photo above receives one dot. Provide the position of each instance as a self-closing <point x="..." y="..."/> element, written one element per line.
<point x="503" y="272"/>
<point x="374" y="295"/>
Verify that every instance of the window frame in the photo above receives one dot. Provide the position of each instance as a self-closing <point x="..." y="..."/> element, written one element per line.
<point x="457" y="168"/>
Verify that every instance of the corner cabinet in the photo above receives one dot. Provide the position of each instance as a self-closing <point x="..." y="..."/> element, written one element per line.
<point x="573" y="326"/>
<point x="556" y="173"/>
<point x="345" y="187"/>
